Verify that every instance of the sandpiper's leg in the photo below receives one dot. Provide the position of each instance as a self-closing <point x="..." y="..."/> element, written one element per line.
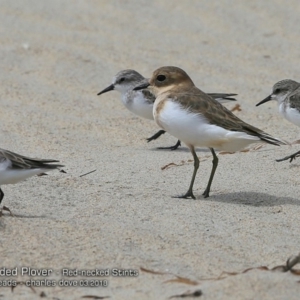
<point x="1" y="195"/>
<point x="7" y="209"/>
<point x="172" y="147"/>
<point x="4" y="207"/>
<point x="213" y="170"/>
<point x="155" y="136"/>
<point x="290" y="157"/>
<point x="189" y="193"/>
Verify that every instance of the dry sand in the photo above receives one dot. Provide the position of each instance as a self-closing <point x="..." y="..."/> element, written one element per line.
<point x="55" y="56"/>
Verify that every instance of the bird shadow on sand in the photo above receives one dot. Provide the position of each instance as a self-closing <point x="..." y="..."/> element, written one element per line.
<point x="294" y="165"/>
<point x="252" y="199"/>
<point x="7" y="215"/>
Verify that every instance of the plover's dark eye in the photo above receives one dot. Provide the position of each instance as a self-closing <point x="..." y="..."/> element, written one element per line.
<point x="121" y="80"/>
<point x="161" y="77"/>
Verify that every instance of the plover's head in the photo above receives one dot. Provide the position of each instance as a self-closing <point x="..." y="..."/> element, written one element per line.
<point x="124" y="81"/>
<point x="166" y="78"/>
<point x="281" y="90"/>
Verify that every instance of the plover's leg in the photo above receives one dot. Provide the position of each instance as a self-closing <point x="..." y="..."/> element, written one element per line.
<point x="290" y="157"/>
<point x="155" y="136"/>
<point x="213" y="170"/>
<point x="172" y="147"/>
<point x="189" y="193"/>
<point x="4" y="207"/>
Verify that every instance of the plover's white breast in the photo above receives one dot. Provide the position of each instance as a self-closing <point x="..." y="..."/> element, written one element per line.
<point x="194" y="129"/>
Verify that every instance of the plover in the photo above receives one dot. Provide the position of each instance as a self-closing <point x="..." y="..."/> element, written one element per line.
<point x="141" y="102"/>
<point x="198" y="120"/>
<point x="15" y="167"/>
<point x="287" y="94"/>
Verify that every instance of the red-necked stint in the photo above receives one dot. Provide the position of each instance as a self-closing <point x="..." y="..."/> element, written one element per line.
<point x="15" y="167"/>
<point x="287" y="94"/>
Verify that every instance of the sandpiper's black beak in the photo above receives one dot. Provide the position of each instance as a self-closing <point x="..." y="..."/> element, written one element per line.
<point x="142" y="86"/>
<point x="109" y="88"/>
<point x="269" y="98"/>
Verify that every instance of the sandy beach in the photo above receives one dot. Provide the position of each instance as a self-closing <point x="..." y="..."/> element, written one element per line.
<point x="55" y="56"/>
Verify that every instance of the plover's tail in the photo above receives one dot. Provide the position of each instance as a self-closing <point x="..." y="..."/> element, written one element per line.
<point x="271" y="140"/>
<point x="222" y="97"/>
<point x="266" y="137"/>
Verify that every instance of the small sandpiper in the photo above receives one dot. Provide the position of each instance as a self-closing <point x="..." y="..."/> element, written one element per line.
<point x="287" y="94"/>
<point x="15" y="167"/>
<point x="141" y="102"/>
<point x="198" y="120"/>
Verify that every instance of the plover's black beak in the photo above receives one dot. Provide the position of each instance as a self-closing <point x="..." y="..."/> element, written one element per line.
<point x="109" y="88"/>
<point x="269" y="98"/>
<point x="142" y="86"/>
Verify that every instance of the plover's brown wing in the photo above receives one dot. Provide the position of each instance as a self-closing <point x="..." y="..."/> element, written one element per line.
<point x="23" y="162"/>
<point x="215" y="113"/>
